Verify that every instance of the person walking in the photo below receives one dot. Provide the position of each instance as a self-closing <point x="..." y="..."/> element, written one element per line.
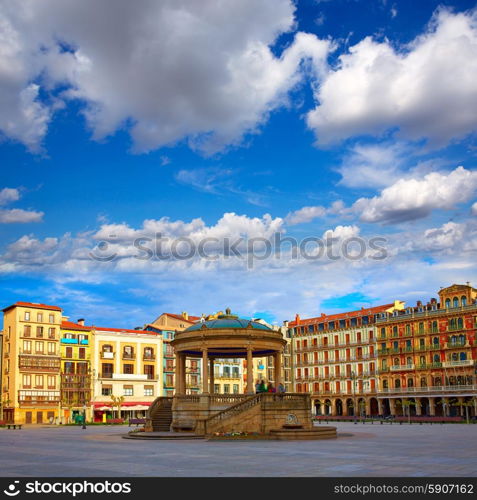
<point x="281" y="388"/>
<point x="262" y="387"/>
<point x="271" y="388"/>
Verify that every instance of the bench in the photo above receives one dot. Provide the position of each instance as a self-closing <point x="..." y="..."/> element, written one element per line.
<point x="137" y="421"/>
<point x="14" y="426"/>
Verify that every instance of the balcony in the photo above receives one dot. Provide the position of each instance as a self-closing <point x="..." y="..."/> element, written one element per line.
<point x="129" y="376"/>
<point x="38" y="398"/>
<point x="396" y="368"/>
<point x="429" y="390"/>
<point x="107" y="355"/>
<point x="462" y="362"/>
<point x="69" y="341"/>
<point x="456" y="345"/>
<point x="149" y="357"/>
<point x="129" y="356"/>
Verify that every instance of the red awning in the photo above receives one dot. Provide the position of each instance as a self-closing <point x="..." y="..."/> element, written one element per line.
<point x="97" y="404"/>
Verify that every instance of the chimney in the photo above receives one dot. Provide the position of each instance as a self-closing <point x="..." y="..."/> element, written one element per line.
<point x="297" y="319"/>
<point x="80" y="321"/>
<point x="185" y="315"/>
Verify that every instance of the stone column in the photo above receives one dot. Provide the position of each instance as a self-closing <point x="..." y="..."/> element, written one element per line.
<point x="461" y="408"/>
<point x="205" y="374"/>
<point x="212" y="374"/>
<point x="367" y="407"/>
<point x="177" y="381"/>
<point x="418" y="406"/>
<point x="333" y="407"/>
<point x="380" y="407"/>
<point x="278" y="368"/>
<point x="183" y="373"/>
<point x="432" y="407"/>
<point x="250" y="388"/>
<point x="392" y="406"/>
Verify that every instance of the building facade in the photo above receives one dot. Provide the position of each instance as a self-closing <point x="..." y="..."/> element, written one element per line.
<point x="335" y="359"/>
<point x="427" y="356"/>
<point x="75" y="380"/>
<point x="31" y="363"/>
<point x="126" y="364"/>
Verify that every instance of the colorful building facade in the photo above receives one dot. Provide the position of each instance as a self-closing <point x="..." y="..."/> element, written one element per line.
<point x="75" y="380"/>
<point x="126" y="364"/>
<point x="31" y="363"/>
<point x="335" y="360"/>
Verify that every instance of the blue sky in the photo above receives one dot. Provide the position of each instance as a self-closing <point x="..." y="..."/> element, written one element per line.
<point x="326" y="119"/>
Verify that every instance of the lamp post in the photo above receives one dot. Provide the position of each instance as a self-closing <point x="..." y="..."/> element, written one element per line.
<point x="84" y="417"/>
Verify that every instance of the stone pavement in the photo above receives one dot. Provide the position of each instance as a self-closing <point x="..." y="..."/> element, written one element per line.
<point x="359" y="450"/>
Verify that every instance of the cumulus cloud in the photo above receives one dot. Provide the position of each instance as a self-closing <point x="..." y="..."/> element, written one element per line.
<point x="305" y="214"/>
<point x="426" y="89"/>
<point x="474" y="208"/>
<point x="169" y="71"/>
<point x="16" y="215"/>
<point x="411" y="199"/>
<point x="8" y="195"/>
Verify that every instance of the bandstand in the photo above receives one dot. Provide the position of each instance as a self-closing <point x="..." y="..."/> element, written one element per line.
<point x="207" y="413"/>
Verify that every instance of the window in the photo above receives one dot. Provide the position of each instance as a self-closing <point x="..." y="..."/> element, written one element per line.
<point x="39" y="318"/>
<point x="39" y="331"/>
<point x="26" y="381"/>
<point x="27" y="316"/>
<point x="39" y="381"/>
<point x="395" y="331"/>
<point x="455" y="302"/>
<point x="226" y="371"/>
<point x="128" y="390"/>
<point x="463" y="300"/>
<point x="51" y="382"/>
<point x="51" y="348"/>
<point x="83" y="338"/>
<point x="149" y="371"/>
<point x="148" y="353"/>
<point x="216" y="388"/>
<point x="236" y="388"/>
<point x="39" y="347"/>
<point x="82" y="368"/>
<point x="128" y="352"/>
<point x="448" y="303"/>
<point x="235" y="372"/>
<point x="106" y="390"/>
<point x="82" y="353"/>
<point x="69" y="352"/>
<point x="148" y="390"/>
<point x="410" y="382"/>
<point x="51" y="333"/>
<point x="226" y="389"/>
<point x="107" y="370"/>
<point x="128" y="369"/>
<point x="51" y="318"/>
<point x="69" y="367"/>
<point x="27" y="346"/>
<point x="27" y="331"/>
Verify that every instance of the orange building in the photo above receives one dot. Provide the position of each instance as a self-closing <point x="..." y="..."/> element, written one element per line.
<point x="427" y="356"/>
<point x="336" y="361"/>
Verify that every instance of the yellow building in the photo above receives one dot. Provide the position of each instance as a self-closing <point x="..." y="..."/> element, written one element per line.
<point x="125" y="364"/>
<point x="31" y="363"/>
<point x="75" y="350"/>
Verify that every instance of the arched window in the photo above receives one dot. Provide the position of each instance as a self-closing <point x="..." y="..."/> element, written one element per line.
<point x="421" y="327"/>
<point x="455" y="302"/>
<point x="461" y="339"/>
<point x="422" y="342"/>
<point x="436" y="358"/>
<point x="453" y="339"/>
<point x="107" y="348"/>
<point x="395" y="331"/>
<point x="422" y="360"/>
<point x="385" y="384"/>
<point x="410" y="382"/>
<point x="384" y="364"/>
<point x="437" y="381"/>
<point x="395" y="345"/>
<point x="396" y="362"/>
<point x="460" y="323"/>
<point x="423" y="382"/>
<point x="434" y="326"/>
<point x="455" y="356"/>
<point x="408" y="329"/>
<point x="448" y="303"/>
<point x="463" y="300"/>
<point x="435" y="340"/>
<point x="463" y="356"/>
<point x="383" y="332"/>
<point x="397" y="383"/>
<point x="408" y="343"/>
<point x="409" y="361"/>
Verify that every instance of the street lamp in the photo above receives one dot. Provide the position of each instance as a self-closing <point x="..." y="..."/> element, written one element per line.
<point x="84" y="417"/>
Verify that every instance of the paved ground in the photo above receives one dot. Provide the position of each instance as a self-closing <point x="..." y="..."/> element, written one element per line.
<point x="360" y="450"/>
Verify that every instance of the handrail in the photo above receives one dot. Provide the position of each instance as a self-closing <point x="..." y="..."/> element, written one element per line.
<point x="236" y="408"/>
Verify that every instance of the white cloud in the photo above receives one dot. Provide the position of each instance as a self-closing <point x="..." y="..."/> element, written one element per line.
<point x="8" y="195"/>
<point x="305" y="214"/>
<point x="19" y="216"/>
<point x="474" y="208"/>
<point x="411" y="198"/>
<point x="171" y="70"/>
<point x="426" y="90"/>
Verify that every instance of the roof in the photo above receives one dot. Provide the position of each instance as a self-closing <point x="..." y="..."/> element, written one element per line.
<point x="190" y="319"/>
<point x="222" y="323"/>
<point x="33" y="305"/>
<point x="122" y="330"/>
<point x="70" y="325"/>
<point x="346" y="315"/>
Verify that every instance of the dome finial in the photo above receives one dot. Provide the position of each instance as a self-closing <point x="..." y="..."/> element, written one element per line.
<point x="228" y="311"/>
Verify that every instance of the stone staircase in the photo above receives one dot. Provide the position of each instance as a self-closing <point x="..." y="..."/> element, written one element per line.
<point x="160" y="415"/>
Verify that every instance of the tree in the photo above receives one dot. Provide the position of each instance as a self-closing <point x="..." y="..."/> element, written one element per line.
<point x="407" y="403"/>
<point x="466" y="405"/>
<point x="117" y="403"/>
<point x="6" y="402"/>
<point x="445" y="402"/>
